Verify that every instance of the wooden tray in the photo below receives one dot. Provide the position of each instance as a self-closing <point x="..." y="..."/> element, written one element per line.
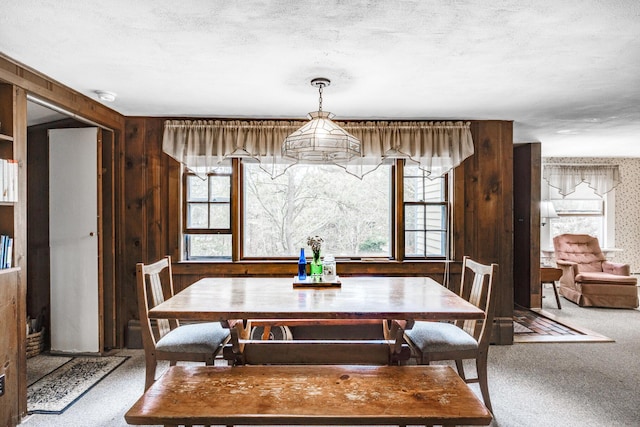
<point x="310" y="283"/>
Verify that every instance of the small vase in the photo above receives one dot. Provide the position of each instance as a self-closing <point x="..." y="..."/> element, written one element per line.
<point x="316" y="265"/>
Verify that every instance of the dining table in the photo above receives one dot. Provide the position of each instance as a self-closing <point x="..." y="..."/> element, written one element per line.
<point x="242" y="302"/>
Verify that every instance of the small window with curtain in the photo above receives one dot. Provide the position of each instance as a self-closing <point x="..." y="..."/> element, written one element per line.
<point x="583" y="196"/>
<point x="581" y="212"/>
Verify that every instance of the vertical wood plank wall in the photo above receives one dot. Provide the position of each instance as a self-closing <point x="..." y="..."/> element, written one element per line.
<point x="483" y="212"/>
<point x="488" y="219"/>
<point x="526" y="206"/>
<point x="20" y="238"/>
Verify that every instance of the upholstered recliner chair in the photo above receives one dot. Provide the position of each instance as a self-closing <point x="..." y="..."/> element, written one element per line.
<point x="588" y="279"/>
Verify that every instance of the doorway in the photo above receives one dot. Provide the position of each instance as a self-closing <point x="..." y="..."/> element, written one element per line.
<point x="39" y="255"/>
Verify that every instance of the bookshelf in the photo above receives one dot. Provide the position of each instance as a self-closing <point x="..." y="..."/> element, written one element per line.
<point x="12" y="278"/>
<point x="9" y="195"/>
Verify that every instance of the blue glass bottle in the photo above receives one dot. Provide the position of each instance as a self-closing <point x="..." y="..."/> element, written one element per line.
<point x="302" y="266"/>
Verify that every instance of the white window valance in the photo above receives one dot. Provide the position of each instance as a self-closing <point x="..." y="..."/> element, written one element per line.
<point x="436" y="147"/>
<point x="601" y="178"/>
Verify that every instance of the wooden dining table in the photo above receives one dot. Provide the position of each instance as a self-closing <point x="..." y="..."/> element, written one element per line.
<point x="236" y="302"/>
<point x="362" y="297"/>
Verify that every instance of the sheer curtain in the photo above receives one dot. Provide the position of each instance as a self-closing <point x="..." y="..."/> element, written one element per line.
<point x="601" y="178"/>
<point x="201" y="145"/>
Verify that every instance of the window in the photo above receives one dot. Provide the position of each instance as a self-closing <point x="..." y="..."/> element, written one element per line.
<point x="425" y="214"/>
<point x="352" y="216"/>
<point x="207" y="215"/>
<point x="581" y="212"/>
<point x="356" y="218"/>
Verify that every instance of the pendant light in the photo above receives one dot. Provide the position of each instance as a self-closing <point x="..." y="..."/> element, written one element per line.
<point x="321" y="140"/>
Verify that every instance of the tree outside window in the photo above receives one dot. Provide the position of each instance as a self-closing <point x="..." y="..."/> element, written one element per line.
<point x="351" y="215"/>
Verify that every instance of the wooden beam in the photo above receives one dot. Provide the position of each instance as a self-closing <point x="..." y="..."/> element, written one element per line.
<point x="47" y="89"/>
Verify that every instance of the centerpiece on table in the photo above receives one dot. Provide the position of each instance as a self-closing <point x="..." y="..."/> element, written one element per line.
<point x="316" y="264"/>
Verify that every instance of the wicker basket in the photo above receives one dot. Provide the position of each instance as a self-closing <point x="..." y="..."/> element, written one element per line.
<point x="35" y="343"/>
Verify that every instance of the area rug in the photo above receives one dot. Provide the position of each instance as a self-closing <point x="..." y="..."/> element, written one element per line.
<point x="538" y="326"/>
<point x="40" y="365"/>
<point x="60" y="388"/>
<point x="519" y="328"/>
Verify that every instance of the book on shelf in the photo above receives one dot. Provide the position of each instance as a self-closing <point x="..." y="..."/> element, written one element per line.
<point x="6" y="251"/>
<point x="8" y="180"/>
<point x="8" y="255"/>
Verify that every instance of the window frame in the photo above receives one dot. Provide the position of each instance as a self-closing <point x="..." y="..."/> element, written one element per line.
<point x="397" y="218"/>
<point x="187" y="231"/>
<point x="426" y="204"/>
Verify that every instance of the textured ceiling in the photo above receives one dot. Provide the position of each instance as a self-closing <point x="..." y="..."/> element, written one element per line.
<point x="566" y="72"/>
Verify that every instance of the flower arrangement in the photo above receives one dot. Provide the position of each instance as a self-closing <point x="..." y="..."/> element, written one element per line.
<point x="316" y="244"/>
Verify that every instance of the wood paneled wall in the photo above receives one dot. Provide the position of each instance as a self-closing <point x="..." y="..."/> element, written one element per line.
<point x="526" y="206"/>
<point x="488" y="217"/>
<point x="483" y="215"/>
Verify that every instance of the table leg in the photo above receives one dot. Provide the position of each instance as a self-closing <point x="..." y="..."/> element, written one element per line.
<point x="266" y="331"/>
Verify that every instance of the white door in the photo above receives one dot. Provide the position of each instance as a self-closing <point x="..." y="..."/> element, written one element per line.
<point x="73" y="237"/>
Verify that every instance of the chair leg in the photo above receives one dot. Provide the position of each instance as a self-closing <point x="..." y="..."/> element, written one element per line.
<point x="481" y="367"/>
<point x="150" y="372"/>
<point x="460" y="368"/>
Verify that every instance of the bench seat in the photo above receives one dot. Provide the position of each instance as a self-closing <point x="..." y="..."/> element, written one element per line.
<point x="309" y="395"/>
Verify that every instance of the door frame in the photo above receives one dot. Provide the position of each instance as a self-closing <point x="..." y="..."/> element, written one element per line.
<point x="108" y="206"/>
<point x="527" y="288"/>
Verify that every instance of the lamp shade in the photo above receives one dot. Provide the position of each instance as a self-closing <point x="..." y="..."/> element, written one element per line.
<point x="547" y="211"/>
<point x="321" y="141"/>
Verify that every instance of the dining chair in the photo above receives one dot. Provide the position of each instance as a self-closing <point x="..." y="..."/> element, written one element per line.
<point x="463" y="339"/>
<point x="165" y="339"/>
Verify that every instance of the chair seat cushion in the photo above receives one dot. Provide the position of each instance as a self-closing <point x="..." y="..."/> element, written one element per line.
<point x="194" y="338"/>
<point x="437" y="337"/>
<point x="601" y="277"/>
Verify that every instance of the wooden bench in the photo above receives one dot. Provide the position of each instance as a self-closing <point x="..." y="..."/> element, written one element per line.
<point x="309" y="395"/>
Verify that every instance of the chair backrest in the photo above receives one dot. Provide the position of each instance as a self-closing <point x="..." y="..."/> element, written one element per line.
<point x="155" y="284"/>
<point x="581" y="249"/>
<point x="477" y="287"/>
